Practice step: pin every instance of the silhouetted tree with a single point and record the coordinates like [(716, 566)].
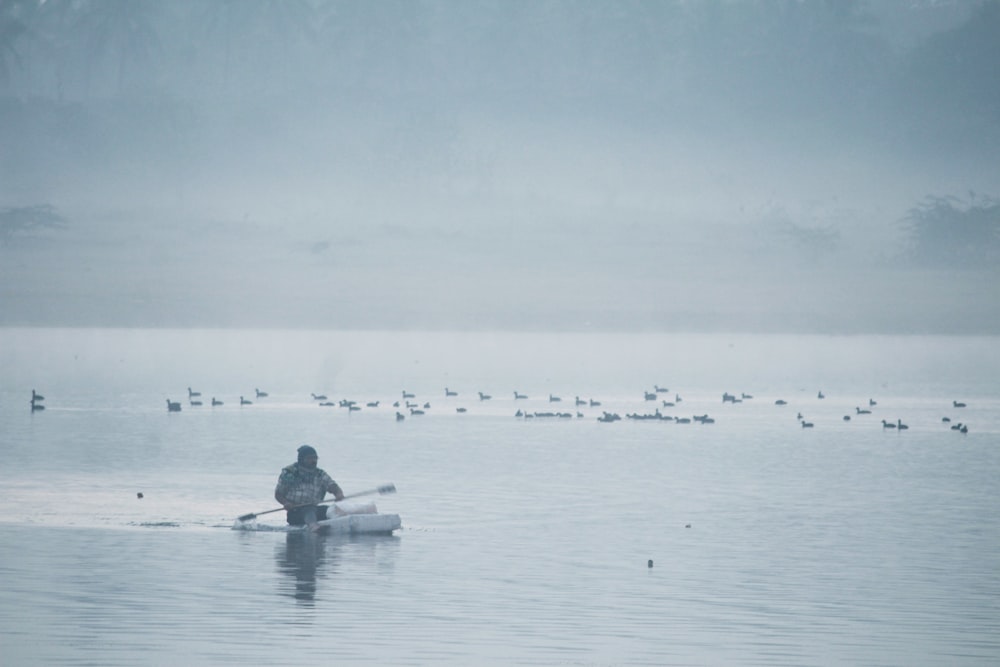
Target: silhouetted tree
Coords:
[(947, 232), (13, 27), (28, 220), (124, 32)]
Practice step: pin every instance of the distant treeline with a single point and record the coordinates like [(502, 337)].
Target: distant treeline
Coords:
[(764, 57)]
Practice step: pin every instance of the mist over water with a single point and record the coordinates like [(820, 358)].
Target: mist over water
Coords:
[(791, 200), (470, 166)]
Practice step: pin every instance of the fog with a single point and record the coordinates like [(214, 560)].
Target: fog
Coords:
[(558, 165)]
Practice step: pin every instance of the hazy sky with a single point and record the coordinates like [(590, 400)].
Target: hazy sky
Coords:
[(439, 164)]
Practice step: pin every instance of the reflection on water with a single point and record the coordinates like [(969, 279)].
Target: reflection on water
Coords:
[(306, 557), (308, 562)]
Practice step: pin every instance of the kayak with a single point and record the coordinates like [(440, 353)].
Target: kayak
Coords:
[(348, 520)]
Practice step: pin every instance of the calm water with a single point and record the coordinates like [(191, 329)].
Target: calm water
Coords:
[(524, 541)]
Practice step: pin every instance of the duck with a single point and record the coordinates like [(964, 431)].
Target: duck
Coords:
[(173, 406), (847, 418), (964, 429), (260, 394), (415, 411), (35, 396), (194, 402), (192, 393), (408, 395), (886, 424), (872, 403), (484, 397), (400, 416), (518, 396), (649, 395), (781, 401), (957, 404), (244, 401), (449, 392), (594, 403), (35, 407), (318, 397), (806, 424), (900, 425), (216, 401), (459, 410), (820, 395), (372, 404), (863, 412), (661, 390), (554, 399), (946, 419)]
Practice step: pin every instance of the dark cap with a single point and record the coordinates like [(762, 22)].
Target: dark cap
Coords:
[(306, 450)]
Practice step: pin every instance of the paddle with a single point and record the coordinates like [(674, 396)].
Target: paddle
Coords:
[(382, 490)]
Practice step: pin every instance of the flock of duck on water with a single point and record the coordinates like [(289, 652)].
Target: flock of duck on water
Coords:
[(416, 409)]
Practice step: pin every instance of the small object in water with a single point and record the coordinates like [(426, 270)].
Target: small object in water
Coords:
[(687, 525), (139, 495), (649, 563)]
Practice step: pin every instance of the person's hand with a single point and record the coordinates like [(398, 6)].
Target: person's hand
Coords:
[(338, 495)]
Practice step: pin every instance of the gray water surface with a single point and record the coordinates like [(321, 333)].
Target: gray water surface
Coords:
[(524, 541)]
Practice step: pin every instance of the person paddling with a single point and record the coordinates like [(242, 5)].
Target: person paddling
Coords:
[(301, 485)]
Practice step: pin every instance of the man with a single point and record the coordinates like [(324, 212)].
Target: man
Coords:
[(302, 485)]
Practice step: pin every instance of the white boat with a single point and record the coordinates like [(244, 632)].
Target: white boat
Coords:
[(348, 519), (359, 524)]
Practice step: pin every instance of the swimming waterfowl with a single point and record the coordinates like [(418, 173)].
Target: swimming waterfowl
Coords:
[(36, 396), (862, 412), (518, 396), (244, 401), (900, 425), (957, 404), (192, 393), (318, 397), (260, 394), (448, 392), (484, 397), (215, 401), (886, 424), (173, 406)]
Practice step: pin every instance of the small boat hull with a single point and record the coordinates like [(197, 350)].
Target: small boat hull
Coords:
[(349, 519), (359, 524)]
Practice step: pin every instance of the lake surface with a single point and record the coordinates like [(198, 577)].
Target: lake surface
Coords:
[(524, 541)]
